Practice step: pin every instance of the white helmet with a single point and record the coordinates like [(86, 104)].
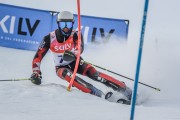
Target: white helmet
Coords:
[(65, 19), (65, 16)]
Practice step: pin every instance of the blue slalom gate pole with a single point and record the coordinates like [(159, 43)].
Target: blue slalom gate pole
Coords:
[(139, 59)]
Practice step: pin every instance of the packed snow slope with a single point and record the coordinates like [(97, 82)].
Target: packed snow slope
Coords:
[(22, 100)]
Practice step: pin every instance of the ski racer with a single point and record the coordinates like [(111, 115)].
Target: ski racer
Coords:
[(65, 39)]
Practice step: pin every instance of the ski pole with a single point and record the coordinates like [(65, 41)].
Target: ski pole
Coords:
[(21, 79), (121, 75), (69, 56)]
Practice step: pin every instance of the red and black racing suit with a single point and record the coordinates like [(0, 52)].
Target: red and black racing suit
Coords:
[(65, 71)]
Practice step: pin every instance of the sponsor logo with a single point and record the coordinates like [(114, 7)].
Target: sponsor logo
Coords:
[(63, 47), (21, 22), (42, 45), (105, 36)]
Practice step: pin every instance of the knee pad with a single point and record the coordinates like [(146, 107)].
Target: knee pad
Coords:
[(92, 73), (95, 75), (64, 73)]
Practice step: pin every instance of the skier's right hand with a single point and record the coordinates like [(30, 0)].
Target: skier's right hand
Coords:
[(36, 78)]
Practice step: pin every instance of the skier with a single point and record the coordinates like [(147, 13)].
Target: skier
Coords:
[(65, 39)]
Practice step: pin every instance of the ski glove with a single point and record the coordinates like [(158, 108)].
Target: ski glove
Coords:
[(36, 78)]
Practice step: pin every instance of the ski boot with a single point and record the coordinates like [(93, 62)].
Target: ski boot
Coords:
[(96, 92)]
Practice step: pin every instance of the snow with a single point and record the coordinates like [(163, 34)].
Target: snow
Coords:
[(22, 100)]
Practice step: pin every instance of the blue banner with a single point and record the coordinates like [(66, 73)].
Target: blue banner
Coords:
[(24, 28)]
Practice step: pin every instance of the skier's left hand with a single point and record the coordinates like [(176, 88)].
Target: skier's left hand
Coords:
[(36, 78)]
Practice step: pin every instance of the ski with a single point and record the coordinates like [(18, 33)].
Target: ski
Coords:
[(117, 97)]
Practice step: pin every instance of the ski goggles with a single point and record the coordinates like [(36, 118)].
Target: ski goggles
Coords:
[(65, 24)]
